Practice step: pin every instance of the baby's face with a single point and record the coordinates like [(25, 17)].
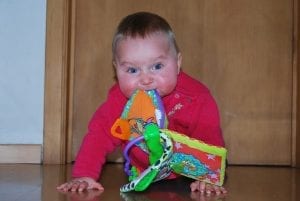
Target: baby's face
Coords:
[(147, 63)]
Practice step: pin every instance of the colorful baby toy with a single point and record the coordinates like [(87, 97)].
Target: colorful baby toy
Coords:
[(144, 124)]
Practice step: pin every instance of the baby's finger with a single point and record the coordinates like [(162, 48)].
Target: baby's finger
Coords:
[(82, 186), (202, 187), (68, 186), (217, 190), (74, 186), (195, 186), (62, 186), (223, 190), (209, 189)]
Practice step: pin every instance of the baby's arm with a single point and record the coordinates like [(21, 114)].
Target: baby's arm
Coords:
[(207, 188), (80, 184)]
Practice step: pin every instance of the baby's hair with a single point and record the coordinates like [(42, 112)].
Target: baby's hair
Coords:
[(143, 24)]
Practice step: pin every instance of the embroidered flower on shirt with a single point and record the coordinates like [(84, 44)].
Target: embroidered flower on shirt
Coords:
[(177, 96), (177, 107)]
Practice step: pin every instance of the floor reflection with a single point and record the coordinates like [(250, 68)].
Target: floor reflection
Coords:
[(24, 182)]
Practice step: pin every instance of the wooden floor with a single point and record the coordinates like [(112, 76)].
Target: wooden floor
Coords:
[(26, 182)]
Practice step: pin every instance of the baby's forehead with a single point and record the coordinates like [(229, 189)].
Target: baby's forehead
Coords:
[(161, 39), (157, 44)]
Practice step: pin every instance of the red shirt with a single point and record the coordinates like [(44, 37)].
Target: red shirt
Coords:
[(190, 109)]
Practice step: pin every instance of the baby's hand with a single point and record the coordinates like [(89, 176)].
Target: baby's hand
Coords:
[(207, 188), (80, 184)]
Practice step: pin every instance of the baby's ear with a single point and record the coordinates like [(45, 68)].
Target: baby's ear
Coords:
[(114, 64), (179, 61)]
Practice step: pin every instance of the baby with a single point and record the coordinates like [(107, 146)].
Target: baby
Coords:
[(146, 57)]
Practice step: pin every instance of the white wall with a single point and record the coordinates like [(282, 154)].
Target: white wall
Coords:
[(22, 66)]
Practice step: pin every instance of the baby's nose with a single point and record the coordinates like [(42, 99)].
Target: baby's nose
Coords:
[(146, 79)]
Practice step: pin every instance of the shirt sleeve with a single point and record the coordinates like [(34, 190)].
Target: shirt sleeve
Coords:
[(206, 121), (98, 141)]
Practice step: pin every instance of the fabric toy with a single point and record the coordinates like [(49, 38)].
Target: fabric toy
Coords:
[(143, 123)]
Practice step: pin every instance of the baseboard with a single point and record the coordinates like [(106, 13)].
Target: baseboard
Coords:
[(20, 153)]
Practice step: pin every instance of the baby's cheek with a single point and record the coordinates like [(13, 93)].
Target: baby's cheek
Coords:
[(127, 91), (167, 88)]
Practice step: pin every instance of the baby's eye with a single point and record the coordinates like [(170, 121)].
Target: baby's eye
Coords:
[(157, 66), (132, 70)]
